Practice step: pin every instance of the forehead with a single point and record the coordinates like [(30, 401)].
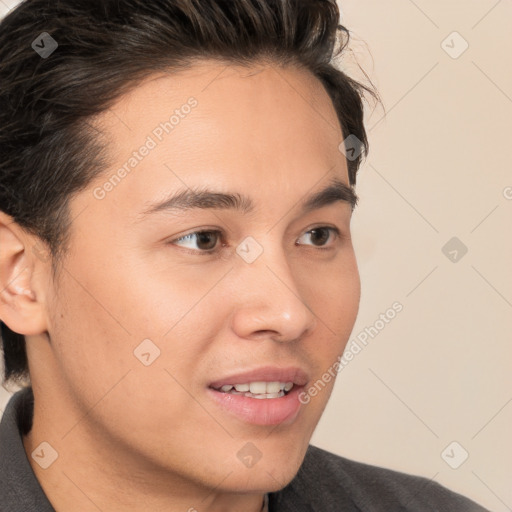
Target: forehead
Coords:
[(250, 127), (248, 104), (226, 87)]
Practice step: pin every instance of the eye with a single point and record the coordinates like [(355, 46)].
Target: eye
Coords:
[(204, 241), (321, 234)]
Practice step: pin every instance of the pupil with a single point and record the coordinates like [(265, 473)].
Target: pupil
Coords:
[(203, 238), (324, 231)]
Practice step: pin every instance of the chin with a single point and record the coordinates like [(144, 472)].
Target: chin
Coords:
[(262, 478), (274, 469)]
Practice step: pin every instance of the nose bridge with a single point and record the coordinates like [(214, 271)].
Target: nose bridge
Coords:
[(271, 302)]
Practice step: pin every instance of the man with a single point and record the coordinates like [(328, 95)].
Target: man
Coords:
[(168, 168)]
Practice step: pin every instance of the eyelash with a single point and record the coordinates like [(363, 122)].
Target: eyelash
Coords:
[(334, 230)]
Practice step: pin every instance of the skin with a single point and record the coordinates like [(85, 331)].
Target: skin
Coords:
[(136, 437)]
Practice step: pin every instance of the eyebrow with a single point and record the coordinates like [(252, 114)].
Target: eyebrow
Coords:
[(205, 198)]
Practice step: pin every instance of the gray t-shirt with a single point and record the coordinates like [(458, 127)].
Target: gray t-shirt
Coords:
[(325, 482)]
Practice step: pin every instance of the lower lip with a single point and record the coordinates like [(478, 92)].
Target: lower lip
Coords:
[(260, 411)]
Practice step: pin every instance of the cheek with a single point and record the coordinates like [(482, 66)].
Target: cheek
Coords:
[(89, 344), (98, 324), (102, 316), (336, 291), (336, 305)]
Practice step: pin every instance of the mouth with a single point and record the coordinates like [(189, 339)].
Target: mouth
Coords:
[(266, 396)]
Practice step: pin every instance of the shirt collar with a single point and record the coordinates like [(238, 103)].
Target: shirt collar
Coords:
[(19, 487)]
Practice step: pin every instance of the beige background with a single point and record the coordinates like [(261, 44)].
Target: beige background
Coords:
[(439, 167)]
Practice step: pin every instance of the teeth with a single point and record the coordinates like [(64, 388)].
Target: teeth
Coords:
[(273, 387), (259, 389)]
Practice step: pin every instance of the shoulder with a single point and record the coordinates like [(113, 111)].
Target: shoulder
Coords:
[(326, 480)]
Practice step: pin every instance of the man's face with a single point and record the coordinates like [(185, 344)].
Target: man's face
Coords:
[(148, 319)]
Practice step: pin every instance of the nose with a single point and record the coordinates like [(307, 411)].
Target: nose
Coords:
[(270, 303)]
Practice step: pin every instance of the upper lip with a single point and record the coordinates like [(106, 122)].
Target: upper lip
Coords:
[(293, 374)]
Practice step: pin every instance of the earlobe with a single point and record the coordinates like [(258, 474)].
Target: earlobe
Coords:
[(20, 307)]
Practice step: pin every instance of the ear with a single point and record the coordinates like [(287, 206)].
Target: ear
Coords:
[(22, 306)]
